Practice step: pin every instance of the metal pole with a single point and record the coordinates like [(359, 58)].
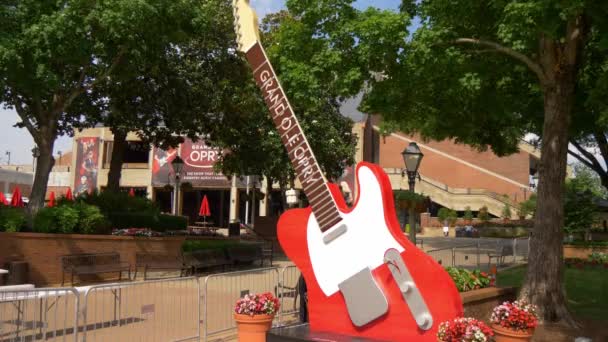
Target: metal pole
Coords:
[(247, 204), (176, 194), (412, 219), (253, 204), (478, 256)]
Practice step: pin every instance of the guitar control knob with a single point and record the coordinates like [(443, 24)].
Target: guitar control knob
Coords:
[(425, 322), (406, 286)]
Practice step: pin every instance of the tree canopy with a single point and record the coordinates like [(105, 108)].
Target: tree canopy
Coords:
[(54, 54), (485, 73)]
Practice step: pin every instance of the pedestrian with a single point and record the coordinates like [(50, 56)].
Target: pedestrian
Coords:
[(446, 230)]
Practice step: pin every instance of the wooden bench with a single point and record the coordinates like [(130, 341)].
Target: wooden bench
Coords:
[(89, 264), (206, 259), (245, 255), (159, 262), (500, 255)]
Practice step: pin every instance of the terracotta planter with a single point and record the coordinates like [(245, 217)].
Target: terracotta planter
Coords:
[(503, 334), (253, 328)]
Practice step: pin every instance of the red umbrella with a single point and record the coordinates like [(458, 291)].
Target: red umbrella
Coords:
[(17, 201), (51, 200), (68, 195), (3, 200), (204, 210), (132, 192)]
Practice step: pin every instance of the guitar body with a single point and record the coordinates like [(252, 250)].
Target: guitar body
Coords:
[(372, 230)]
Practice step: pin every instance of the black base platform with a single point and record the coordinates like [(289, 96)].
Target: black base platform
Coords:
[(302, 333)]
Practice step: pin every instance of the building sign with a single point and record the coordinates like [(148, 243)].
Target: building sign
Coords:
[(199, 160), (162, 170), (86, 165)]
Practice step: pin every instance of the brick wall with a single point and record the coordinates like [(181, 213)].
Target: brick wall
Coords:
[(43, 251), (458, 174)]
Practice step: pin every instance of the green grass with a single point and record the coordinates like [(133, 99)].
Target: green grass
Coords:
[(586, 289)]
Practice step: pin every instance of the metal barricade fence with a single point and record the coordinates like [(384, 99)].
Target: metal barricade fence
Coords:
[(444, 256), (288, 292), (222, 290), (153, 310), (39, 314)]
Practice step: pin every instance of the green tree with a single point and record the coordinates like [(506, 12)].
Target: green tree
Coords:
[(528, 207), (53, 54), (486, 72), (483, 214), (580, 207), (506, 211), (175, 89), (468, 214)]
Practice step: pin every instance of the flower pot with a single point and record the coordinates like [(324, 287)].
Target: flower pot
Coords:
[(504, 334), (253, 328)]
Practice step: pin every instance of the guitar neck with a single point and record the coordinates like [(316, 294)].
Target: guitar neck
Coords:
[(300, 154)]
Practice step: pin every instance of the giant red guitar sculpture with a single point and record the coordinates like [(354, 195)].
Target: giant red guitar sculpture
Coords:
[(364, 277)]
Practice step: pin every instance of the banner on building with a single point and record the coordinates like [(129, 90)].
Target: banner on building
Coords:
[(86, 165), (162, 170), (199, 160)]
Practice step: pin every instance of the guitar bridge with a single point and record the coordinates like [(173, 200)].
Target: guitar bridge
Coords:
[(408, 288)]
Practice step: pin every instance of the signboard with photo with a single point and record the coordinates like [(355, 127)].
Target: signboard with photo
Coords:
[(199, 160), (86, 165), (162, 170)]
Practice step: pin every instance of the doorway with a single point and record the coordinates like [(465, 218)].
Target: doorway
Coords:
[(219, 205)]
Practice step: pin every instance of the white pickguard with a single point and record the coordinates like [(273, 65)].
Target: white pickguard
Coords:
[(363, 245)]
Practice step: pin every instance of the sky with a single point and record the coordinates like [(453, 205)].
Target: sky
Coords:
[(19, 143)]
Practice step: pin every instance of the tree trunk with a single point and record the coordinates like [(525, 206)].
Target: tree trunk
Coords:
[(543, 284), (44, 164), (118, 153)]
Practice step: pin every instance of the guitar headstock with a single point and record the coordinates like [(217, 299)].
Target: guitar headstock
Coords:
[(245, 25)]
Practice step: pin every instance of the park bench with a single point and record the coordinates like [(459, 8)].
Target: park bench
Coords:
[(500, 255), (90, 264), (159, 262), (206, 259), (245, 255)]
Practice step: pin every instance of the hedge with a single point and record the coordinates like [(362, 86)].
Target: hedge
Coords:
[(159, 223)]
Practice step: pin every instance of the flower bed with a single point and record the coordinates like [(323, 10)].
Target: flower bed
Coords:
[(595, 259), (464, 329), (466, 280), (517, 315)]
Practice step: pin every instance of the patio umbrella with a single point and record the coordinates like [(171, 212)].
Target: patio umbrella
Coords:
[(3, 200), (51, 200), (68, 195), (17, 200), (132, 192), (204, 210)]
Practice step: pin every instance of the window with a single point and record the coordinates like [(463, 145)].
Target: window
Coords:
[(137, 152)]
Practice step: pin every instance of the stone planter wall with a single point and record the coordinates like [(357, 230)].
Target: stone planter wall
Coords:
[(43, 252), (479, 303), (582, 252)]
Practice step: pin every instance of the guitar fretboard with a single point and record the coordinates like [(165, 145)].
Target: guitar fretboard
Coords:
[(301, 156)]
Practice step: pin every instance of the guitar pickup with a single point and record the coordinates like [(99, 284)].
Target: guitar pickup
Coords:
[(409, 290), (364, 299)]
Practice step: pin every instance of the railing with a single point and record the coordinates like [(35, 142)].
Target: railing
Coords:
[(476, 255), (221, 291), (155, 310), (39, 314)]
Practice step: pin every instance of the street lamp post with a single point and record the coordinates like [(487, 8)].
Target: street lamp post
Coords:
[(178, 165), (35, 155), (412, 156)]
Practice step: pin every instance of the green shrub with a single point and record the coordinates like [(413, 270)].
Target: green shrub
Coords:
[(528, 207), (466, 280), (109, 202), (196, 245), (506, 211), (503, 232), (123, 220), (483, 215), (468, 214), (443, 214), (91, 220), (171, 222), (12, 219), (44, 222), (60, 219)]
